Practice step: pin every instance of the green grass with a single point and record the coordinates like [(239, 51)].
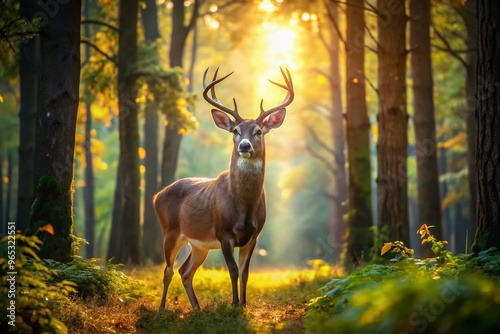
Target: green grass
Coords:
[(276, 303)]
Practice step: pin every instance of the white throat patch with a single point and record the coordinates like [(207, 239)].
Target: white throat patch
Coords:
[(251, 165)]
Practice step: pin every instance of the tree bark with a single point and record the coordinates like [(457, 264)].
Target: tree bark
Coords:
[(129, 134), (115, 235), (58, 97), (488, 123), (89, 189), (469, 16), (359, 238), (429, 204), (337, 223), (392, 144), (28, 63), (152, 235)]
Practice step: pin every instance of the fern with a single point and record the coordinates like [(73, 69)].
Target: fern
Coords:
[(34, 295)]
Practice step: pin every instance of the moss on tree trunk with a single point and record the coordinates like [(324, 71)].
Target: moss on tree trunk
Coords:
[(51, 207)]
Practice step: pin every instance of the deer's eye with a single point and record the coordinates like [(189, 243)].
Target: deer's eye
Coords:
[(235, 131), (258, 133)]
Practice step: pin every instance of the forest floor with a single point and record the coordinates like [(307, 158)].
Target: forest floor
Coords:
[(277, 301)]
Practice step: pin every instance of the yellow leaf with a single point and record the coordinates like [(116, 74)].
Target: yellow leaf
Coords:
[(387, 247), (47, 228), (1, 98)]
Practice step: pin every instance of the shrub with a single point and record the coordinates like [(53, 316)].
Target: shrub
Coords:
[(32, 296)]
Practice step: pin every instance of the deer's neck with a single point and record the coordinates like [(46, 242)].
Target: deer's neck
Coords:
[(246, 180)]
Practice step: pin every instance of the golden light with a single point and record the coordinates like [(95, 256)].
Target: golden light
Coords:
[(267, 6), (281, 44), (213, 8), (211, 22)]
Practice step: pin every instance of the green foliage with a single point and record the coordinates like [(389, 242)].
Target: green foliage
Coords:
[(33, 295), (95, 280), (411, 295), (450, 305), (50, 207), (13, 30), (167, 88)]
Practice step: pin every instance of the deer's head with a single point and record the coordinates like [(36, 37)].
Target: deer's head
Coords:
[(248, 134)]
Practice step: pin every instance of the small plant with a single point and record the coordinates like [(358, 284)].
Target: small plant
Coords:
[(399, 248), (436, 246), (25, 281)]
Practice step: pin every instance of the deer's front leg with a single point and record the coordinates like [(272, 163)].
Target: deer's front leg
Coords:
[(227, 247), (244, 263)]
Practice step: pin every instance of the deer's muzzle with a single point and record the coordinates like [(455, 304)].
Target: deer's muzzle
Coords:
[(245, 148)]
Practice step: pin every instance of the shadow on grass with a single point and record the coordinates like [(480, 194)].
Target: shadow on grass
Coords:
[(215, 318)]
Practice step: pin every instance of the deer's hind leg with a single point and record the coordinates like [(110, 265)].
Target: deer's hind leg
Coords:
[(187, 270), (172, 243)]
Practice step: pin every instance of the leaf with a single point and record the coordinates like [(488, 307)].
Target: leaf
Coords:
[(334, 292), (387, 247), (47, 228)]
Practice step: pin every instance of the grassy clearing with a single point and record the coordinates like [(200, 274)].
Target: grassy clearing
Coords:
[(276, 303)]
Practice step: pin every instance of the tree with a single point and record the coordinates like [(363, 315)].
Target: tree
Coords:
[(89, 189), (129, 134), (468, 14), (179, 35), (337, 224), (359, 218), (392, 144), (58, 98), (488, 123), (28, 63), (429, 203), (152, 240)]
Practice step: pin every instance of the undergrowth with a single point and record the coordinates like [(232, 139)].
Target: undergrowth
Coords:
[(444, 294)]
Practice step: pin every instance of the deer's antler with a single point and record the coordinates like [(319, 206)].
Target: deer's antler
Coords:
[(214, 101), (288, 98)]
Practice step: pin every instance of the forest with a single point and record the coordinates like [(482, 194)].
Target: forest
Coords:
[(381, 166)]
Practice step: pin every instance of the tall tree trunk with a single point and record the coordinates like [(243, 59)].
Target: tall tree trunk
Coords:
[(429, 204), (338, 209), (152, 235), (129, 133), (58, 97), (359, 219), (448, 229), (469, 16), (488, 123), (392, 145), (180, 32), (28, 59), (89, 189), (115, 235)]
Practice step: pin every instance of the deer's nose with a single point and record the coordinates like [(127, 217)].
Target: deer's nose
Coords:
[(245, 146)]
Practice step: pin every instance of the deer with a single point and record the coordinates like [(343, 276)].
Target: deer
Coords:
[(225, 212)]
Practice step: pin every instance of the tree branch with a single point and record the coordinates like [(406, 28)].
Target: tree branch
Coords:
[(95, 47), (368, 9), (322, 159), (447, 47), (101, 23), (334, 23)]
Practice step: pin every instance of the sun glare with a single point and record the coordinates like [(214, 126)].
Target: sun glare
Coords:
[(281, 44)]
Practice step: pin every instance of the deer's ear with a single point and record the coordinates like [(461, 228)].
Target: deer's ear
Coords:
[(222, 120), (274, 120)]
